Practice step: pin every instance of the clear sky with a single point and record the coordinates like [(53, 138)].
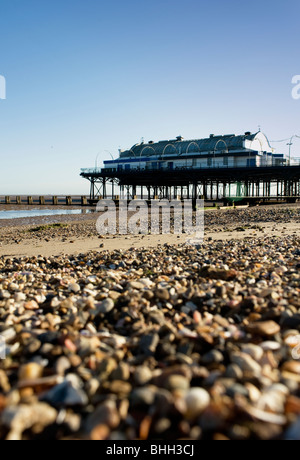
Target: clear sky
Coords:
[(89, 76)]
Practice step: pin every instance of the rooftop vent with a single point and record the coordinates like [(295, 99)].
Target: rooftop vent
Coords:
[(150, 142), (247, 133), (211, 136), (179, 138)]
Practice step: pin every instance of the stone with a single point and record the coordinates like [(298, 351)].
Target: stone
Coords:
[(117, 387), (65, 395), (163, 294), (143, 396), (293, 432), (270, 346), (75, 288), (4, 382), (136, 285), (246, 363), (292, 366), (148, 344), (237, 389), (264, 328), (62, 365), (233, 371), (20, 418), (177, 382), (106, 306), (122, 372), (292, 322), (30, 371), (254, 351), (213, 356), (196, 400), (104, 414), (142, 375)]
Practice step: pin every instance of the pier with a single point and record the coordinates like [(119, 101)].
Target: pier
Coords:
[(250, 185)]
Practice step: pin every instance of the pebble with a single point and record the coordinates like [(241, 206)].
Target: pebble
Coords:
[(62, 365), (106, 306), (196, 400), (148, 343), (292, 366), (213, 356), (74, 287), (122, 372), (162, 294), (254, 351), (143, 396), (30, 371), (142, 375), (270, 346), (105, 414), (24, 417), (246, 363), (65, 395), (293, 432), (177, 382), (237, 389), (233, 371), (177, 341), (264, 328), (292, 322)]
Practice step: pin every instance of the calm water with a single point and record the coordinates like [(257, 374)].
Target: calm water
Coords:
[(21, 214)]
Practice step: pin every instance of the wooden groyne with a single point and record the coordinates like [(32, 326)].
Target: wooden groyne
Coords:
[(55, 200)]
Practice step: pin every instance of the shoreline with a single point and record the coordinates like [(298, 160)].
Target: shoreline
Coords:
[(78, 232)]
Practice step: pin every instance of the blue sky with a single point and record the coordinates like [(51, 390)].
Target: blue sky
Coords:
[(89, 76)]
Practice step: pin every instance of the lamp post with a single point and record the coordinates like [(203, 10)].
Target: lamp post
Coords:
[(290, 148), (112, 157), (96, 161)]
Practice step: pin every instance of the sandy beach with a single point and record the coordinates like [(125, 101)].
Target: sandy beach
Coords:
[(78, 232)]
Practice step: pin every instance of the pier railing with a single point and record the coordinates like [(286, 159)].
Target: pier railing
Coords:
[(165, 167)]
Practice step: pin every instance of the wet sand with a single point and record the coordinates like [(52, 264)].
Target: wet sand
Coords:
[(79, 234)]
